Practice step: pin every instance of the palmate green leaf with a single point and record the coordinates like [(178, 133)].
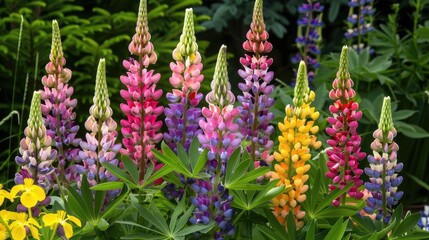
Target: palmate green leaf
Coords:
[(99, 198), (269, 192), (407, 224), (168, 157), (177, 211), (411, 130), (340, 211), (119, 173), (194, 152), (278, 229), (201, 162), (337, 231), (415, 235), (311, 231), (364, 224), (75, 205), (331, 197), (166, 169), (195, 228), (131, 167), (381, 234), (87, 197), (233, 162), (270, 234), (106, 186), (112, 206), (291, 226), (181, 153), (153, 217)]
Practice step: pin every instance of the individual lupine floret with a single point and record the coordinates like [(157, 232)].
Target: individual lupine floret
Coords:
[(383, 171), (255, 117), (221, 139), (57, 110), (424, 219), (183, 114), (359, 23), (100, 145), (344, 139), (309, 36), (36, 154), (141, 127), (298, 134)]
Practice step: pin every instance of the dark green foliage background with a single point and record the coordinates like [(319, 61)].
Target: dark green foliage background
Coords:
[(95, 29)]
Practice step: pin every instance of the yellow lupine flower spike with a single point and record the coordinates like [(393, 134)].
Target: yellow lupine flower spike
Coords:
[(297, 136), (31, 194), (52, 220)]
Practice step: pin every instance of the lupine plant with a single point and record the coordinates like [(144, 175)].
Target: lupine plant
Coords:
[(141, 127), (36, 153), (255, 117), (58, 113), (100, 145), (344, 139), (359, 23), (383, 168), (298, 135), (309, 36), (183, 113), (213, 155), (220, 137)]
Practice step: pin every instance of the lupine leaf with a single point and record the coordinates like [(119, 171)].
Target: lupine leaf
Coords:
[(311, 231), (131, 168), (331, 197), (201, 162), (99, 201), (119, 173), (109, 209), (337, 231), (87, 197), (407, 224), (179, 209), (195, 228), (108, 186), (181, 153), (291, 226), (340, 211), (164, 170), (193, 152)]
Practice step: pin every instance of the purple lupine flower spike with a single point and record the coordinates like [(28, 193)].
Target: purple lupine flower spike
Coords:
[(57, 111), (359, 23), (309, 36), (221, 139), (36, 153), (100, 145), (255, 116), (383, 171), (183, 115)]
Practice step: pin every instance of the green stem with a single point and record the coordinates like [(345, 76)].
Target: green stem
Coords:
[(54, 231)]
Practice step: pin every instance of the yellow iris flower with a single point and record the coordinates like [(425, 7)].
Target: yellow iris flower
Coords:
[(17, 228), (4, 194), (59, 218), (31, 194)]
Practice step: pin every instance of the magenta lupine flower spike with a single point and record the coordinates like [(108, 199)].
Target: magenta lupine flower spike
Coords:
[(141, 128), (36, 154), (221, 139), (100, 145), (57, 110), (345, 154), (183, 115), (255, 116), (383, 171)]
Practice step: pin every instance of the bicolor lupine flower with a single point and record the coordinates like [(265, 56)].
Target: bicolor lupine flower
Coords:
[(344, 139), (221, 139), (359, 23), (183, 114), (255, 117), (298, 134), (383, 171), (424, 219), (36, 154), (100, 145), (57, 110), (141, 127), (309, 36)]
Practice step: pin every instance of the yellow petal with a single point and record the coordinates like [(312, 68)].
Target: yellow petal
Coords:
[(75, 220), (1, 200), (28, 182), (40, 193), (34, 232), (15, 190), (50, 219), (34, 222), (28, 199), (68, 230), (18, 232)]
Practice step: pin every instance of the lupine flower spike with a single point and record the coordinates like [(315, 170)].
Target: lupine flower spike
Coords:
[(255, 116), (298, 134), (345, 154), (36, 154), (100, 145), (383, 171), (309, 36), (221, 139), (183, 115), (141, 127), (359, 23), (57, 110)]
